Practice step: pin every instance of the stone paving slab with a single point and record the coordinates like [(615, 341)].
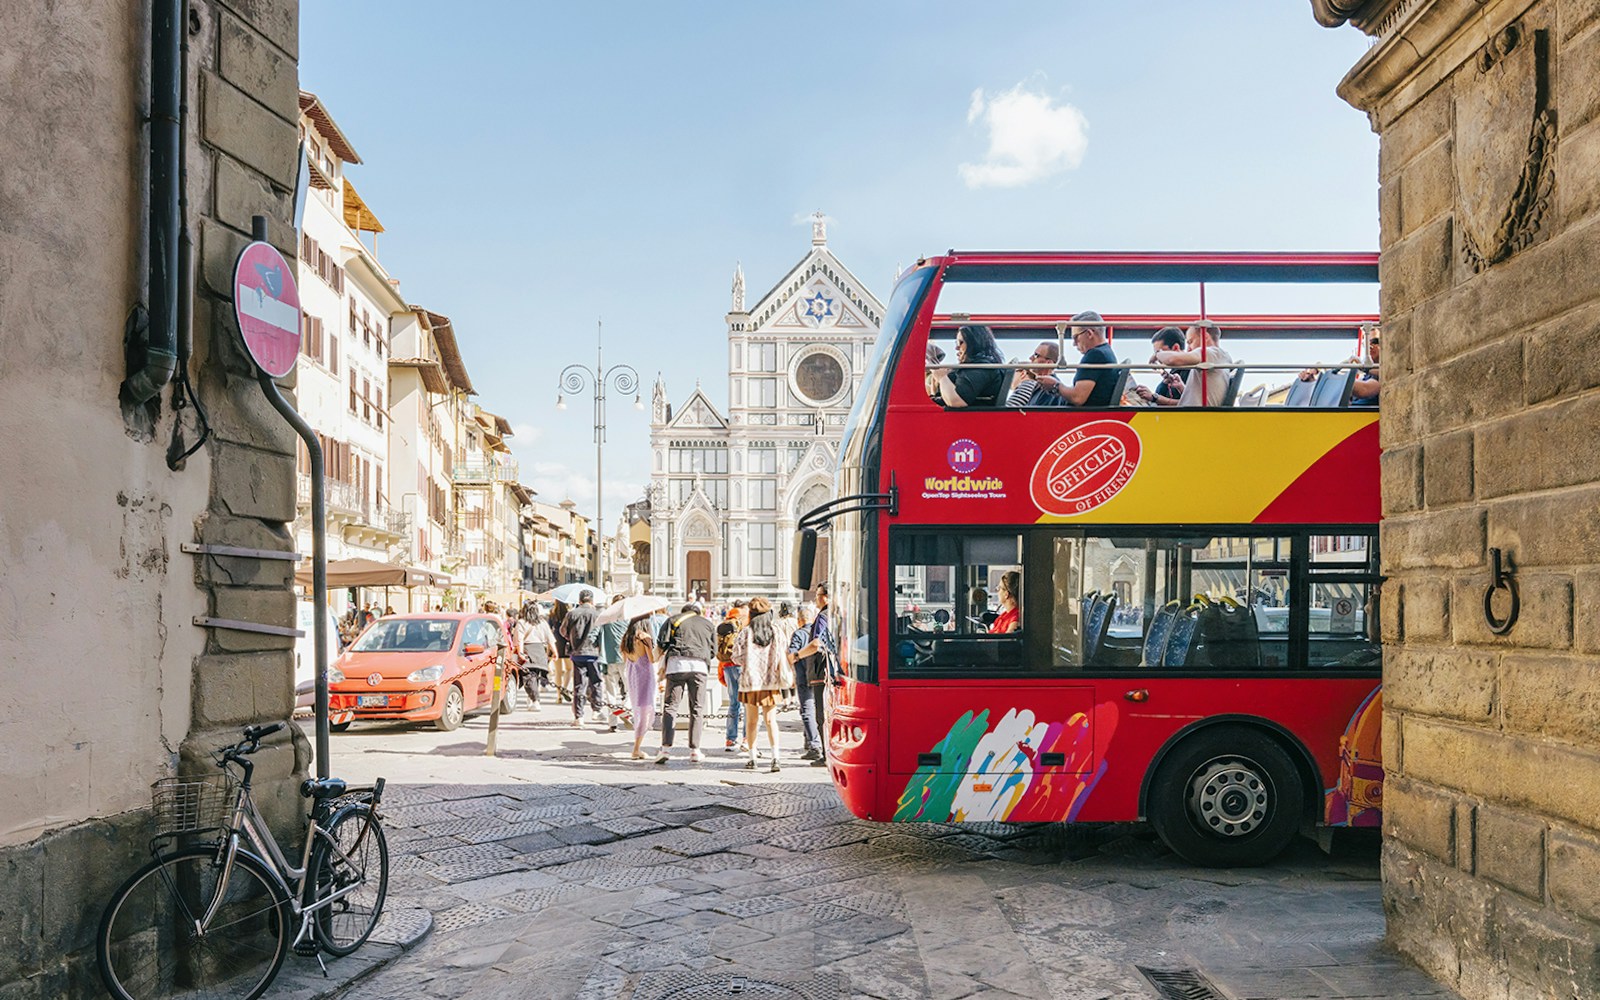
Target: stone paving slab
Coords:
[(564, 870)]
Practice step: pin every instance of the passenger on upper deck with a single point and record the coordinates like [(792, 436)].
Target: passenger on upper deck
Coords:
[(1039, 386), (1202, 347), (1168, 338), (930, 381), (973, 386), (1365, 390)]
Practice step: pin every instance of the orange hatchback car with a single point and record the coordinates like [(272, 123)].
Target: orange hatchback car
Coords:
[(424, 667)]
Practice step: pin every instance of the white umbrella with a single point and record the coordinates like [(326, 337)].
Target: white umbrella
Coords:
[(568, 593), (630, 608)]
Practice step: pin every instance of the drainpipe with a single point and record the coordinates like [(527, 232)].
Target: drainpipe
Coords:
[(166, 139)]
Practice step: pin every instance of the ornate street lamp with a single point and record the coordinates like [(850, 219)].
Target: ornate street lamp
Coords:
[(574, 379)]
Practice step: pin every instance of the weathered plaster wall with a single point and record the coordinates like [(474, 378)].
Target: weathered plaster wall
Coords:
[(109, 684), (1489, 116)]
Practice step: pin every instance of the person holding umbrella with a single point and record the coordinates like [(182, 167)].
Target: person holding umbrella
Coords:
[(638, 651)]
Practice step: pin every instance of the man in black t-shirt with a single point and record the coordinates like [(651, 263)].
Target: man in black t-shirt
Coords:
[(1090, 386)]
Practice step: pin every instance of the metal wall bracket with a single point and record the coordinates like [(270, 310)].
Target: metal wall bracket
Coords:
[(235, 626), (197, 549)]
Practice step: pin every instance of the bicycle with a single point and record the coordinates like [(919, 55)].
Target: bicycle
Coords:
[(210, 914)]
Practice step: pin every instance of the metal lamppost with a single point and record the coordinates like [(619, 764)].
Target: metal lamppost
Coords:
[(574, 378)]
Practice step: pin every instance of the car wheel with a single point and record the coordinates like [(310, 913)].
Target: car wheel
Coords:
[(509, 700), (454, 710), (1227, 798), (338, 727)]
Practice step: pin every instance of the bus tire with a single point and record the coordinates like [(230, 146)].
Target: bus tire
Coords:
[(1226, 798)]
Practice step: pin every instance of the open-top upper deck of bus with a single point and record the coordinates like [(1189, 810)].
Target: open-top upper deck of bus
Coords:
[(1313, 460)]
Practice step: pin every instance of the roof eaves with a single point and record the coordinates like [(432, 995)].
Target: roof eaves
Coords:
[(312, 107)]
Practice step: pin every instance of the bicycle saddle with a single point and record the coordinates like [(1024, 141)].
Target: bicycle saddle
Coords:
[(322, 788)]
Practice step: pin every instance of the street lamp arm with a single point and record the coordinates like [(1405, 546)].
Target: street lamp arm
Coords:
[(623, 378), (576, 378)]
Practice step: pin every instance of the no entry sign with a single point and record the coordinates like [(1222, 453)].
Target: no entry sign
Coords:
[(267, 305)]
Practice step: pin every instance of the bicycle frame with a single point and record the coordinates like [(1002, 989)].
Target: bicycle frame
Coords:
[(248, 821)]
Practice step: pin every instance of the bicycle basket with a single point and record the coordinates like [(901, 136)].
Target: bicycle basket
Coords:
[(186, 804)]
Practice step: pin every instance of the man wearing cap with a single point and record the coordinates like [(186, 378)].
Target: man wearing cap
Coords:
[(1090, 386)]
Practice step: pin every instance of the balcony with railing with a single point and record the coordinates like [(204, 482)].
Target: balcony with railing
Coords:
[(361, 517), (484, 473)]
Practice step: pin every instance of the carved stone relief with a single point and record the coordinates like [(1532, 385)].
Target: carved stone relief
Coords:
[(1504, 175)]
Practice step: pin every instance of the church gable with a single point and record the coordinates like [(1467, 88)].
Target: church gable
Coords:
[(819, 294), (697, 412)]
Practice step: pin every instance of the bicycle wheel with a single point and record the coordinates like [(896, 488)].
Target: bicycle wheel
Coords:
[(351, 852), (148, 946)]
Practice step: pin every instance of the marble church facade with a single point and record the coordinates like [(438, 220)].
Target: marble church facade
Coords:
[(727, 486)]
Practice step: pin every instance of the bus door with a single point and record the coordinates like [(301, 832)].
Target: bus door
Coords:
[(971, 737)]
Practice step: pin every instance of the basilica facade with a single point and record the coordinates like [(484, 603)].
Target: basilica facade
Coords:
[(727, 488)]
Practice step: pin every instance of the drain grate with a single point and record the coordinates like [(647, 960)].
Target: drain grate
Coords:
[(718, 986), (1181, 984)]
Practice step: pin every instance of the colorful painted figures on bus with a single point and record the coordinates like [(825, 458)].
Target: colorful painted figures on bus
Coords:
[(1357, 800), (993, 774)]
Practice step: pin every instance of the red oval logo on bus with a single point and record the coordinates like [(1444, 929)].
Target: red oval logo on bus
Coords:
[(1085, 467)]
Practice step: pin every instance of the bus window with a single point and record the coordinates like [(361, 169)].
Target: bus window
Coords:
[(1343, 618), (957, 600), (1213, 603)]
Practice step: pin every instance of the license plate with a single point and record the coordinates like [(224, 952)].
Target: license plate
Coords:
[(372, 700)]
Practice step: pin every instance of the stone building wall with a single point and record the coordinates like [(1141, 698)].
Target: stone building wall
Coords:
[(1489, 117), (110, 685)]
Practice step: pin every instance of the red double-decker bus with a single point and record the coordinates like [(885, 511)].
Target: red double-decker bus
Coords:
[(1075, 614)]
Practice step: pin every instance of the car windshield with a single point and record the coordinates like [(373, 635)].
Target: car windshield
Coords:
[(408, 635)]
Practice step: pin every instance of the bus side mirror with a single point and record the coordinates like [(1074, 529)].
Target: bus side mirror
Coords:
[(805, 558)]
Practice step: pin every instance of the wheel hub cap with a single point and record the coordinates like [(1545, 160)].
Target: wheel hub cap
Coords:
[(1230, 798)]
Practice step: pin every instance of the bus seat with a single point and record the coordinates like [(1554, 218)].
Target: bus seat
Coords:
[(1234, 381), (1181, 639), (1155, 640), (1228, 636), (1094, 634), (1255, 397), (1121, 388), (1333, 387), (1299, 393), (1086, 604)]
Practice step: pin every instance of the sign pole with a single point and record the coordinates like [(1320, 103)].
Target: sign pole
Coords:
[(267, 305)]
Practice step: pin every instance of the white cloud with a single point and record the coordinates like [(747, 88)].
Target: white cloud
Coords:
[(1031, 137), (523, 435)]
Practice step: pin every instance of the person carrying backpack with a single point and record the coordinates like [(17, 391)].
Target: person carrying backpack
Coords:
[(688, 643)]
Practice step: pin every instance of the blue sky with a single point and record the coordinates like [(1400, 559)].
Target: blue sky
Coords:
[(541, 166)]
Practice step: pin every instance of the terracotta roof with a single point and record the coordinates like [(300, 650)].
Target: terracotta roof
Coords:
[(312, 107), (444, 335), (495, 422), (433, 377), (356, 213)]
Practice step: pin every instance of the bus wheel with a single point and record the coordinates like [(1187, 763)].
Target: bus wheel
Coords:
[(1227, 798)]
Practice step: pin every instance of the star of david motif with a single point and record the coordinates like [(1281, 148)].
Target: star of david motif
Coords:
[(818, 307)]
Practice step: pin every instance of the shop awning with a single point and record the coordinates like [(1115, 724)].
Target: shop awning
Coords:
[(371, 573)]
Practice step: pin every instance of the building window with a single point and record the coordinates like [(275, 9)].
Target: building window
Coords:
[(693, 457), (819, 377), (764, 392), (764, 459), (355, 399), (764, 549), (378, 409), (763, 494), (366, 399), (333, 351), (764, 357)]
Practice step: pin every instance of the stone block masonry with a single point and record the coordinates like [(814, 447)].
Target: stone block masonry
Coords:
[(1490, 230), (91, 537)]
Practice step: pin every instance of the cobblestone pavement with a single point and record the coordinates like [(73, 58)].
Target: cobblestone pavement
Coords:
[(560, 869)]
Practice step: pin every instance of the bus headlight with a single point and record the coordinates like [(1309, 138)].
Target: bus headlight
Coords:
[(427, 675)]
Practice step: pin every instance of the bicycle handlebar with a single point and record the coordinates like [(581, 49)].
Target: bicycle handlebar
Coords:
[(254, 733)]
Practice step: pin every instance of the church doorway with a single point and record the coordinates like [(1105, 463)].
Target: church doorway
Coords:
[(697, 572)]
